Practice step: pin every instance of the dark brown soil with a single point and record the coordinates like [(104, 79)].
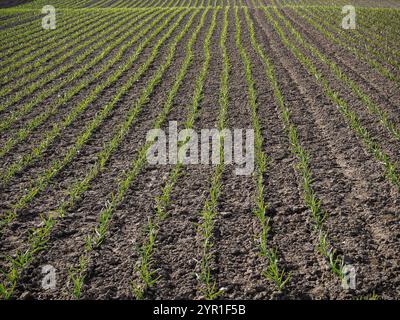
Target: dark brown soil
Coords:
[(362, 206)]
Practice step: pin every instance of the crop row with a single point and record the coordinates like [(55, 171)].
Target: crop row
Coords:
[(391, 170), (35, 38), (381, 26), (351, 119), (38, 150), (19, 20), (77, 274), (30, 83), (271, 271), (384, 25), (156, 3), (149, 3), (208, 286), (33, 35), (32, 59), (76, 38), (110, 3), (377, 23), (56, 166), (56, 3), (13, 20), (384, 71), (144, 269), (364, 45), (128, 4), (41, 234), (375, 110), (303, 167), (113, 39), (378, 45)]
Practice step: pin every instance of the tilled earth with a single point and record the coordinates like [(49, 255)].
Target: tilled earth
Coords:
[(362, 206)]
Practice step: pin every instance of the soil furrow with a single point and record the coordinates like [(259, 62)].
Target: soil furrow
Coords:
[(81, 220), (56, 149), (346, 178)]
